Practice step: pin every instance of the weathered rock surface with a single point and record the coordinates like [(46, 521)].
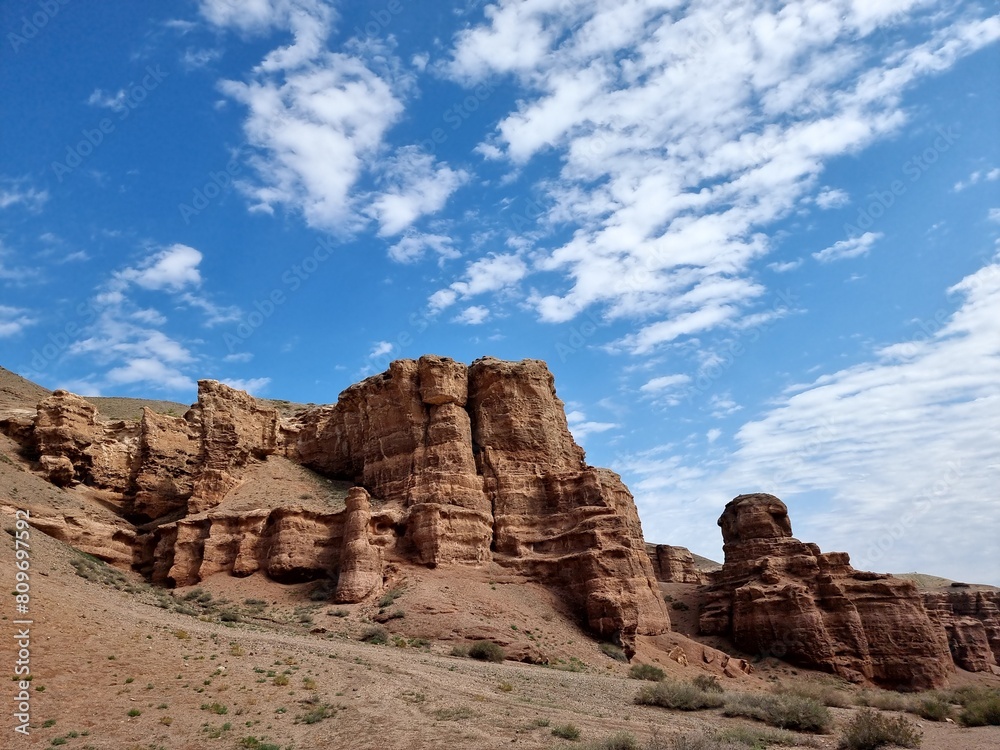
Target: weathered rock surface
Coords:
[(234, 430), (972, 621), (674, 564), (778, 596), (360, 562), (168, 458), (470, 466)]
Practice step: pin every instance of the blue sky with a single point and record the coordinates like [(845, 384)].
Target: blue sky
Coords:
[(757, 243)]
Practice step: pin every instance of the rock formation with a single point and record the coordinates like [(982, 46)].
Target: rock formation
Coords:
[(468, 466), (781, 597), (674, 564), (972, 621)]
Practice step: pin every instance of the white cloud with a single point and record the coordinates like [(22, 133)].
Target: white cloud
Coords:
[(238, 357), (664, 382), (581, 427), (785, 266), (380, 349), (893, 459), (152, 371), (832, 198), (172, 269), (419, 187), (193, 59), (988, 175), (16, 192), (413, 245), (852, 247), (473, 315), (106, 100), (994, 215), (489, 274), (253, 386), (13, 320), (317, 122), (712, 435), (683, 134)]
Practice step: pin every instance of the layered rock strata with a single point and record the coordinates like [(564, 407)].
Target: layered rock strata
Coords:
[(972, 621), (674, 564), (469, 466), (781, 597)]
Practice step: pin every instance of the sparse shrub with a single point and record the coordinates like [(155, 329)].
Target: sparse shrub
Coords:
[(166, 720), (566, 731), (505, 687), (758, 737), (376, 635), (280, 680), (317, 714), (230, 615), (680, 696), (254, 743), (869, 730), (981, 710), (309, 683), (215, 708), (708, 683), (617, 741), (785, 711), (389, 597), (615, 652), (825, 694), (884, 700), (341, 612), (181, 635), (133, 712), (460, 650), (646, 672), (933, 709), (487, 651)]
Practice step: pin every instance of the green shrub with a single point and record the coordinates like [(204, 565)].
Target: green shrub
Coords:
[(567, 731), (825, 694), (981, 711), (785, 711), (758, 737), (615, 652), (703, 741), (680, 696), (375, 634), (460, 650), (708, 683), (869, 730), (617, 741), (487, 651), (646, 672), (933, 709), (389, 597), (884, 700)]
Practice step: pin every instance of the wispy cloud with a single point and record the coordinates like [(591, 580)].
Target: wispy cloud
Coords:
[(13, 320), (19, 192), (682, 135), (894, 458), (852, 247), (318, 123)]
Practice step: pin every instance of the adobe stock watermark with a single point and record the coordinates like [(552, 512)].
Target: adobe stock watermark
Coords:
[(32, 26), (216, 185), (22, 623), (913, 168), (379, 20), (92, 138)]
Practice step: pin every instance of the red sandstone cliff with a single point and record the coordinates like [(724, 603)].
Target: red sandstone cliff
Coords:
[(781, 597)]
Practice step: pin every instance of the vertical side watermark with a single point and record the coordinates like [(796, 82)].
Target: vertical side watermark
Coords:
[(22, 622)]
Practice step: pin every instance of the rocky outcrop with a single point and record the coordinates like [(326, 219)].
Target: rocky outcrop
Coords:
[(674, 564), (115, 543), (972, 621), (483, 461), (66, 429), (468, 466), (234, 430), (168, 458), (781, 597), (360, 569)]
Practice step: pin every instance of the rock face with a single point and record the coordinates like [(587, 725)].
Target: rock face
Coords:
[(234, 430), (778, 596), (972, 621), (483, 462), (674, 564), (468, 466)]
